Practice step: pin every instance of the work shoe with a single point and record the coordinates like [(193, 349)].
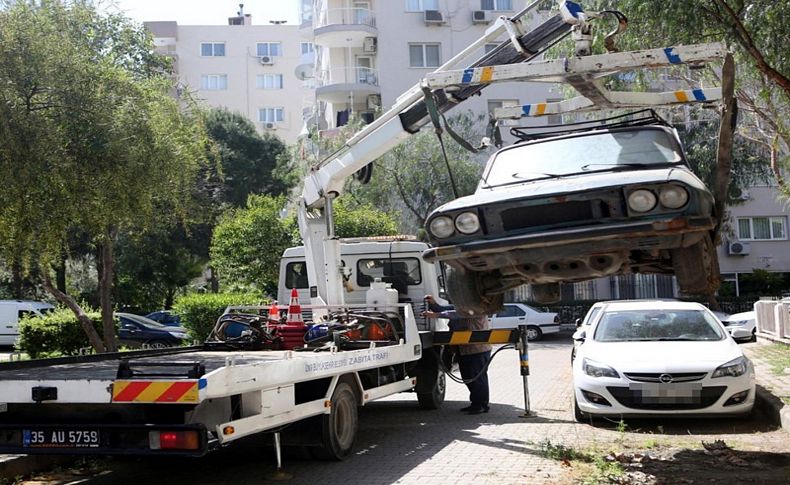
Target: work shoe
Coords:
[(475, 409)]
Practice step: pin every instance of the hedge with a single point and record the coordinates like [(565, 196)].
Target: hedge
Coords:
[(200, 311), (57, 333)]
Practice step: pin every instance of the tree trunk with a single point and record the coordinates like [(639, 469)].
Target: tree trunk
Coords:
[(105, 290), (85, 321), (16, 281), (729, 117), (213, 280), (60, 274), (170, 295), (713, 303)]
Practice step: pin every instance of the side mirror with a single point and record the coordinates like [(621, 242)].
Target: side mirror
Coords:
[(578, 322), (581, 337)]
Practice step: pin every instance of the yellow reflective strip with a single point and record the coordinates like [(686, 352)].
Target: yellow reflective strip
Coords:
[(118, 387), (486, 74), (460, 337), (681, 96), (191, 395), (153, 391), (541, 109), (499, 336)]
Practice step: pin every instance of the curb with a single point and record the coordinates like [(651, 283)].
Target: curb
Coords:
[(773, 407), (13, 466)]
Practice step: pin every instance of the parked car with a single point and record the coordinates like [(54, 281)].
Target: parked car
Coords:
[(742, 326), (136, 330), (165, 317), (660, 358), (583, 325), (573, 205), (538, 322), (11, 311)]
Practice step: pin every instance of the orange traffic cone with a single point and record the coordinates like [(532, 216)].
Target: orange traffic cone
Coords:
[(294, 311), (274, 313)]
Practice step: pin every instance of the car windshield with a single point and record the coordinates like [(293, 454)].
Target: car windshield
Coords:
[(147, 322), (655, 325), (581, 154)]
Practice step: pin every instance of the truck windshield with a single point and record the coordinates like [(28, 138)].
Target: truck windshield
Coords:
[(582, 154)]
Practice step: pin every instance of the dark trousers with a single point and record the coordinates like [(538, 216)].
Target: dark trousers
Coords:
[(471, 365)]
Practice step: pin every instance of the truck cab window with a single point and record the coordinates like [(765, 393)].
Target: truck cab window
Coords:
[(296, 275), (401, 272)]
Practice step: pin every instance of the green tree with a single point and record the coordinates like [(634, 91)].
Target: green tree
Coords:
[(362, 220), (89, 138)]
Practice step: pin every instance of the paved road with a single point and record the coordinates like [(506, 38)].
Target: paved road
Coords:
[(399, 443)]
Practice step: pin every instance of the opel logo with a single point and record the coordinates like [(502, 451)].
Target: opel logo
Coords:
[(665, 378)]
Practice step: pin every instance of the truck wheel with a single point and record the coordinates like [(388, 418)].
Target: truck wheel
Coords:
[(465, 294), (339, 427), (534, 333), (546, 293), (435, 398), (696, 267)]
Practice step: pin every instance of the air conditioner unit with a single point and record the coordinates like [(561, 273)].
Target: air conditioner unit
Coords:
[(745, 195), (266, 60), (370, 44), (374, 101), (738, 249), (481, 16), (433, 17), (269, 126)]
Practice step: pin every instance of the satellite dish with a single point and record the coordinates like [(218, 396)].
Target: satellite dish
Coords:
[(304, 71)]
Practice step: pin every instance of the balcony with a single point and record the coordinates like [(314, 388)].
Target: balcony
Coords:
[(336, 85), (344, 27)]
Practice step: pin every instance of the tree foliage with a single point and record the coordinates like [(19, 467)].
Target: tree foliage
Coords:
[(89, 137)]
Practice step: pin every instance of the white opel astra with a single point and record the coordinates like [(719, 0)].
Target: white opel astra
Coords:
[(660, 358)]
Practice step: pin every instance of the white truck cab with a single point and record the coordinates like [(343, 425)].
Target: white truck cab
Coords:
[(11, 311)]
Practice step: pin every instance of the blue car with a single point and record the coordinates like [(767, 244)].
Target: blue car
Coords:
[(136, 330), (165, 317)]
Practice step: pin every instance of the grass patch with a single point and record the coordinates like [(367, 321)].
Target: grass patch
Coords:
[(651, 443), (777, 355), (592, 467)]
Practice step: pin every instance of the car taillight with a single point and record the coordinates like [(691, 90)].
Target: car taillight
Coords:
[(173, 440)]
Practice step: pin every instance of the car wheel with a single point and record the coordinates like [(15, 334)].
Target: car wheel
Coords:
[(546, 293), (158, 344), (465, 293), (696, 267), (578, 415), (534, 333)]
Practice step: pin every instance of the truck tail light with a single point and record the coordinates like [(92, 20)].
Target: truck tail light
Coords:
[(173, 440)]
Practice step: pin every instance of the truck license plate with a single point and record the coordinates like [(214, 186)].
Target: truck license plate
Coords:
[(60, 438)]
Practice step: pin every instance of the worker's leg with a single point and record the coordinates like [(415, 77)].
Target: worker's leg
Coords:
[(471, 366)]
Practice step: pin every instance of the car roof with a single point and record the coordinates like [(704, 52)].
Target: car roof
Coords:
[(653, 305)]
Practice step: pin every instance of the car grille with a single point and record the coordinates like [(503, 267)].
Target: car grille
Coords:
[(633, 399), (548, 214), (655, 376)]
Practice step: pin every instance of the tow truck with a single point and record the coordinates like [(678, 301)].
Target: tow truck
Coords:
[(272, 373)]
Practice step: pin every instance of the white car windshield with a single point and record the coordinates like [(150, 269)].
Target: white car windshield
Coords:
[(655, 325), (582, 154)]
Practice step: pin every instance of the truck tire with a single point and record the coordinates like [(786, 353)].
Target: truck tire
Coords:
[(546, 293), (435, 398), (534, 333), (465, 294), (339, 427), (696, 267)]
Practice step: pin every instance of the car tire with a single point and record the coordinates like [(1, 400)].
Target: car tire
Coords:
[(578, 415), (697, 267), (546, 293), (464, 290), (158, 344), (339, 427), (534, 333)]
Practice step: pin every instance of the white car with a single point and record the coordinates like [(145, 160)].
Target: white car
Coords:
[(659, 358), (538, 323), (742, 326)]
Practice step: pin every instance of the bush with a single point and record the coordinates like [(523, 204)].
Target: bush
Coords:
[(57, 333), (200, 311)]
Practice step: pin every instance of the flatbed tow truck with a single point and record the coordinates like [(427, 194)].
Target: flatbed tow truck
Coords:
[(254, 375)]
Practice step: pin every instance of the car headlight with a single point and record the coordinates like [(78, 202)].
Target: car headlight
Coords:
[(641, 200), (737, 323), (467, 223), (673, 196), (734, 368), (442, 227), (178, 334), (595, 369)]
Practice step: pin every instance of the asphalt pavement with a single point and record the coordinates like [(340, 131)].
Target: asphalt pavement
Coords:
[(399, 443)]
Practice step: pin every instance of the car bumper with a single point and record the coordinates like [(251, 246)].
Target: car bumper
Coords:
[(700, 398), (666, 233)]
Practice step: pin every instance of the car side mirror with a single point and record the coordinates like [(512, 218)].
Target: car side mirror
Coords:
[(581, 337), (578, 322)]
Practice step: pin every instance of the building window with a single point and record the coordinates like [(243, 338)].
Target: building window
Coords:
[(269, 81), (761, 228), (420, 5), (271, 49), (501, 103), (308, 48), (496, 4), (214, 82), (424, 55), (271, 115), (489, 47), (212, 49)]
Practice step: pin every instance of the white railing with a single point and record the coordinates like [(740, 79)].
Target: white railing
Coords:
[(345, 16), (348, 75), (773, 317)]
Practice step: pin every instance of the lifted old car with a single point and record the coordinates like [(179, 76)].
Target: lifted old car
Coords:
[(574, 204)]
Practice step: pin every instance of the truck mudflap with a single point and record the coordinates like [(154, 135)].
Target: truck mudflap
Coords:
[(103, 439)]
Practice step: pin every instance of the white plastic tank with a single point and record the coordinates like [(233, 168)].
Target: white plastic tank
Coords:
[(381, 296)]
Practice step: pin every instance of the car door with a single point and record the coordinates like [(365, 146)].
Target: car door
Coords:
[(130, 333), (509, 317)]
